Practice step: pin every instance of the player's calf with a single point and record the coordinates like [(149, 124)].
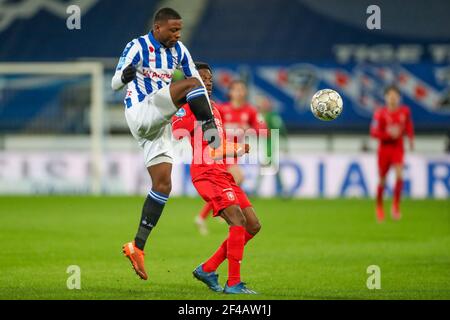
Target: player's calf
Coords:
[(253, 226), (155, 201)]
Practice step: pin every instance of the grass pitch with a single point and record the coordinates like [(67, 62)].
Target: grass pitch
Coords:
[(307, 249)]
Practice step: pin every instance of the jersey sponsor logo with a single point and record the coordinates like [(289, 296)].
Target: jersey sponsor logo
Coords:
[(180, 113), (152, 74)]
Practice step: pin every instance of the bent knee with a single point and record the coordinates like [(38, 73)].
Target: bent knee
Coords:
[(192, 83), (164, 187), (253, 228)]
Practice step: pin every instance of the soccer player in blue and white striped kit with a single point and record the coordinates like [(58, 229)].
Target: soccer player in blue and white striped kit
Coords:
[(146, 67)]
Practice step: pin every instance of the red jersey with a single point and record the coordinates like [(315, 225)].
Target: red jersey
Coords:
[(244, 117), (385, 121), (201, 162)]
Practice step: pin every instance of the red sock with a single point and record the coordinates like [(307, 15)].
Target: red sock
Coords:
[(398, 192), (221, 254), (248, 236), (217, 258), (380, 190), (205, 210), (235, 253)]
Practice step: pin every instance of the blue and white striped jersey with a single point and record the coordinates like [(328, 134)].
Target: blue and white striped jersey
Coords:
[(155, 66)]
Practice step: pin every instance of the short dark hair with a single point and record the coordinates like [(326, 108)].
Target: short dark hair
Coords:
[(202, 65), (165, 14), (391, 87)]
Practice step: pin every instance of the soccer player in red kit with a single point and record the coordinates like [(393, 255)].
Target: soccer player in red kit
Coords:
[(217, 186), (239, 115), (389, 125)]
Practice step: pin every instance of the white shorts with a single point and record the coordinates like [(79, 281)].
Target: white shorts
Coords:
[(149, 122)]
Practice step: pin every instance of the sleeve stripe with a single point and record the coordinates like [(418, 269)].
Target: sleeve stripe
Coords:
[(145, 64), (144, 52), (158, 63), (136, 58), (185, 65), (127, 48), (169, 58), (141, 96), (179, 54)]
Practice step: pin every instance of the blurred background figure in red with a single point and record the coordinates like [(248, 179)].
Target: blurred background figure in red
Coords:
[(390, 125)]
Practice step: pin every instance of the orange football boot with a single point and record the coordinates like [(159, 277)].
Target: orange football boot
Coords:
[(136, 257), (380, 214)]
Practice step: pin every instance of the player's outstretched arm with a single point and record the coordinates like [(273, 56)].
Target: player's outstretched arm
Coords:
[(126, 68), (120, 79), (229, 150)]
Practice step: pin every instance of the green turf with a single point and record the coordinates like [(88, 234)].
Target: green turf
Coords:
[(307, 249)]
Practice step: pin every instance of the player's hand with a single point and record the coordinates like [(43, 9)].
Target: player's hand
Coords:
[(239, 149), (211, 134), (128, 74)]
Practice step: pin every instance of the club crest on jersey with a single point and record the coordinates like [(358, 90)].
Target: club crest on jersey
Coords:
[(230, 195), (180, 113)]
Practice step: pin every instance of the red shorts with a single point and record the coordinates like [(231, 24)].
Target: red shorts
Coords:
[(221, 191), (387, 157)]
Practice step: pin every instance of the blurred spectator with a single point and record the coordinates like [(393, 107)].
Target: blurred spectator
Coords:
[(274, 122), (238, 114)]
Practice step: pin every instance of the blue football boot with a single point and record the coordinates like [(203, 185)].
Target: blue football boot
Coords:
[(239, 288), (211, 279)]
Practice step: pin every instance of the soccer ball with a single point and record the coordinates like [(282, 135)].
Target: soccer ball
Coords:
[(326, 104)]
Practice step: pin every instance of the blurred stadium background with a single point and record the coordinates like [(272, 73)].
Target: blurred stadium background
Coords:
[(62, 131), (62, 128)]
